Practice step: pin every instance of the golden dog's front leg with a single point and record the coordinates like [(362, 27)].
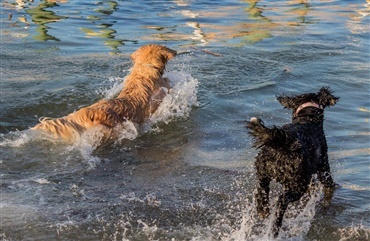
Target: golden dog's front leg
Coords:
[(164, 86), (166, 83), (157, 98)]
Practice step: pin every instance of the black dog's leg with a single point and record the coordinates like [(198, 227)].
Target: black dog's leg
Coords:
[(325, 177), (324, 171), (282, 204), (262, 198)]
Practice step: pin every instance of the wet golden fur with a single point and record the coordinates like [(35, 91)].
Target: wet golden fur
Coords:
[(144, 89)]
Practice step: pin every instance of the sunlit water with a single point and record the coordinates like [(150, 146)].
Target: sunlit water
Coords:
[(187, 173)]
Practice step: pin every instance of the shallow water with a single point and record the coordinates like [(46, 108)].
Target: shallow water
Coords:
[(188, 173)]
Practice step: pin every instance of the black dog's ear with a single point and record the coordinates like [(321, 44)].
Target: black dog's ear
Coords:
[(286, 101), (326, 97)]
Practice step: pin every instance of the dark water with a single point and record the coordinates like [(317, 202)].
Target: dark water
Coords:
[(188, 173)]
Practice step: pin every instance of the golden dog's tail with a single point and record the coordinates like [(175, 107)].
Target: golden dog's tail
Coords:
[(60, 127), (70, 127)]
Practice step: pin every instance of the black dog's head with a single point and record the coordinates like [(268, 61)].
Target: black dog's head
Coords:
[(319, 100)]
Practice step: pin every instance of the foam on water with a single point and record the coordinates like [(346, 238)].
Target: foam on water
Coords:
[(17, 138), (355, 232)]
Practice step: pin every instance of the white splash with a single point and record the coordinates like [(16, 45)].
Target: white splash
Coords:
[(16, 139), (296, 223), (148, 231), (178, 103), (150, 199), (109, 93)]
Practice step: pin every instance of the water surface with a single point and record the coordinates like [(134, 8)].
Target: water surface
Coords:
[(187, 174)]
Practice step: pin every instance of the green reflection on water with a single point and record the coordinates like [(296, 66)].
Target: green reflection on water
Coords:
[(105, 31), (41, 17), (249, 22)]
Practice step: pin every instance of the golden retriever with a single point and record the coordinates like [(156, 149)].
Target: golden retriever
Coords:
[(143, 91)]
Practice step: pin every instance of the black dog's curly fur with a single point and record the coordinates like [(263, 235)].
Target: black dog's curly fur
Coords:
[(291, 154)]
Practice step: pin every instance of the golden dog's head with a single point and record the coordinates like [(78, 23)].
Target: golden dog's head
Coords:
[(153, 55)]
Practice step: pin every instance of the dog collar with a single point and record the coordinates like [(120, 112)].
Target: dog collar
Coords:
[(308, 104)]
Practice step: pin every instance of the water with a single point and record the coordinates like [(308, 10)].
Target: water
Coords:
[(188, 173)]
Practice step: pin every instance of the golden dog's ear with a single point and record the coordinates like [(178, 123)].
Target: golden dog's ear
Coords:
[(152, 52), (134, 55), (142, 52), (168, 53)]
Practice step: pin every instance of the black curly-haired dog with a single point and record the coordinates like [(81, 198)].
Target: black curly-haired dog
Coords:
[(293, 153)]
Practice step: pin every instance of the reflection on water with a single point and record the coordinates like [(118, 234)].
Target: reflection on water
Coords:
[(356, 18), (41, 16), (245, 24), (104, 30), (116, 22)]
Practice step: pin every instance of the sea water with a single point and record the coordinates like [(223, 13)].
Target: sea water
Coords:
[(188, 172)]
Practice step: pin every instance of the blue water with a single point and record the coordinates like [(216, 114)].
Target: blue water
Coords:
[(188, 174)]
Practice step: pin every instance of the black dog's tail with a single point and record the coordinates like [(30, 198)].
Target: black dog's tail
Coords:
[(272, 137)]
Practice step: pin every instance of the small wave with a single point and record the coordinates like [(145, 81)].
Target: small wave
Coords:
[(16, 138), (42, 181), (356, 187)]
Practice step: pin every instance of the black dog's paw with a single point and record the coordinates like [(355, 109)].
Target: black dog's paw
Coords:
[(263, 211)]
